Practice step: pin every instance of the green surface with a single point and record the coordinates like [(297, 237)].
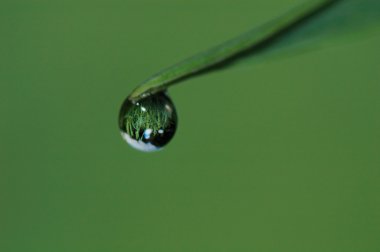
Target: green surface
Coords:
[(278, 156)]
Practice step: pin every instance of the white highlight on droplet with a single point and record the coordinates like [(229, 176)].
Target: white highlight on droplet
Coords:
[(147, 133), (139, 145), (168, 108)]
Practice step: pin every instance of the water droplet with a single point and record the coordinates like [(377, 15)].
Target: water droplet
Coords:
[(149, 124)]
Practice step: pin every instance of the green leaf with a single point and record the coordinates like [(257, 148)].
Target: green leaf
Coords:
[(315, 23)]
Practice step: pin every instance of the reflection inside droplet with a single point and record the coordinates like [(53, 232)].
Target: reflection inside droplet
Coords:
[(148, 124)]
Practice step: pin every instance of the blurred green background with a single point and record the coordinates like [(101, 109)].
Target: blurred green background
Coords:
[(278, 156)]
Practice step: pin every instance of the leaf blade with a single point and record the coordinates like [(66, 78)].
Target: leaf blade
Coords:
[(317, 19)]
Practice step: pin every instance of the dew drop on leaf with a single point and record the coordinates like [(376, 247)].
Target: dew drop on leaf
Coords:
[(149, 123)]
